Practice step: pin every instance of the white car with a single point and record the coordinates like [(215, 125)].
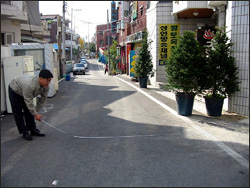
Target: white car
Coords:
[(92, 54), (78, 69), (85, 63)]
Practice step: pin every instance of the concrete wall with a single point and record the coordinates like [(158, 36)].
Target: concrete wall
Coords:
[(11, 26)]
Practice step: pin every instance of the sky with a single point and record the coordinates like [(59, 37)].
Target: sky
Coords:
[(94, 12)]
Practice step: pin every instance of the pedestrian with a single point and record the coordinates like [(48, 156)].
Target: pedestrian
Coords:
[(22, 90), (106, 68)]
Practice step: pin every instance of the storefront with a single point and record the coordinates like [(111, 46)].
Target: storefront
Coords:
[(133, 43)]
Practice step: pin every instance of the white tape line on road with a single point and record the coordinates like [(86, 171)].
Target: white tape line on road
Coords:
[(52, 126), (220, 144), (101, 137), (104, 137)]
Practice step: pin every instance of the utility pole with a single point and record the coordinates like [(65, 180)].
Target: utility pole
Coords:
[(108, 41), (72, 30), (88, 38), (59, 41), (63, 36), (71, 35)]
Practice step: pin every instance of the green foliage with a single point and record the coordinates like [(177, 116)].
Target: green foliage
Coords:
[(92, 47), (144, 65), (113, 55), (186, 65), (75, 51), (221, 72)]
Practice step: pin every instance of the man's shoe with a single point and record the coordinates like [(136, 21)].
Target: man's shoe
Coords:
[(27, 136), (36, 132)]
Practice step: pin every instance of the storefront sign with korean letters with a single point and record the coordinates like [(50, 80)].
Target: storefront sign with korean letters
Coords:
[(168, 34)]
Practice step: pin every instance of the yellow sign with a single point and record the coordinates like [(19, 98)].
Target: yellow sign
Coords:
[(168, 34)]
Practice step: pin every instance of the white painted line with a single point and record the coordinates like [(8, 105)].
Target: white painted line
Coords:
[(55, 182), (103, 137), (220, 144)]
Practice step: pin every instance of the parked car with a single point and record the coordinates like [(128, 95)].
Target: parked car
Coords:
[(92, 54), (82, 58), (85, 63), (78, 68)]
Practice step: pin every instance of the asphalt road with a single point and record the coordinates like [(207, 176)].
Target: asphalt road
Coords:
[(124, 139)]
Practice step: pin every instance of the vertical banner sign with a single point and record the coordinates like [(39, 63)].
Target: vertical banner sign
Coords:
[(168, 34), (133, 55), (134, 11), (128, 51), (124, 11)]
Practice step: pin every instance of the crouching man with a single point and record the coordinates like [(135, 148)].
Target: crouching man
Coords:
[(22, 91)]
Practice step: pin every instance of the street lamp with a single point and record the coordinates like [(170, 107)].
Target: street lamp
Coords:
[(72, 30)]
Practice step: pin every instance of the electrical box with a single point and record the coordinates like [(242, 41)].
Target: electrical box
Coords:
[(13, 67)]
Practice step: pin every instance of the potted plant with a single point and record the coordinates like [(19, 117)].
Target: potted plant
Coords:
[(221, 73), (144, 66), (185, 71)]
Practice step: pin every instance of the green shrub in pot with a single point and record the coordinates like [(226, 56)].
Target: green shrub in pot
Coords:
[(221, 72), (185, 71)]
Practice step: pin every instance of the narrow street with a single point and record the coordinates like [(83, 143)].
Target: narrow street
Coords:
[(116, 136)]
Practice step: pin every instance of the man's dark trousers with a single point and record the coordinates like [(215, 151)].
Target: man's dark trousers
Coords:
[(19, 110)]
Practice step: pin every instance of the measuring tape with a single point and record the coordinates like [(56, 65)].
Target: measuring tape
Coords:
[(102, 137)]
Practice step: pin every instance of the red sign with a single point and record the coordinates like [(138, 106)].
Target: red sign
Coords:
[(208, 34), (123, 53), (128, 51)]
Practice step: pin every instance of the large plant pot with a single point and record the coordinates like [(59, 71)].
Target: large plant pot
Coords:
[(214, 106), (143, 82), (185, 104)]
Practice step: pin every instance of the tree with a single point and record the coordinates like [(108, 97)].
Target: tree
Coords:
[(92, 47), (221, 72), (186, 66), (144, 65), (113, 55), (81, 42)]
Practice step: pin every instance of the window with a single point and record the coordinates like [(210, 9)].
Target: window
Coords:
[(141, 9), (6, 2), (49, 26), (7, 38), (148, 4)]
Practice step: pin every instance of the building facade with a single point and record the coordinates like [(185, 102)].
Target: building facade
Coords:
[(131, 23), (200, 17)]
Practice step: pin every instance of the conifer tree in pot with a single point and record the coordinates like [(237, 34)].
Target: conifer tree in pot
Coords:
[(221, 73), (185, 71), (144, 66)]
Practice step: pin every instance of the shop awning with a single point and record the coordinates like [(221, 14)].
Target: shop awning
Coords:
[(55, 46)]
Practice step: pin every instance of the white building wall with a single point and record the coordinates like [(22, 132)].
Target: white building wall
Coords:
[(237, 20), (151, 27)]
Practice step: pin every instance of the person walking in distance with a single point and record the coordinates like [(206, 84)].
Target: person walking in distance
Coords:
[(22, 90), (106, 68)]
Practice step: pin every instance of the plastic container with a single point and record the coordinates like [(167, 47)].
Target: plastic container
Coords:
[(67, 77)]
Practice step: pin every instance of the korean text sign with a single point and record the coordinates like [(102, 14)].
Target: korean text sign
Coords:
[(168, 34)]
